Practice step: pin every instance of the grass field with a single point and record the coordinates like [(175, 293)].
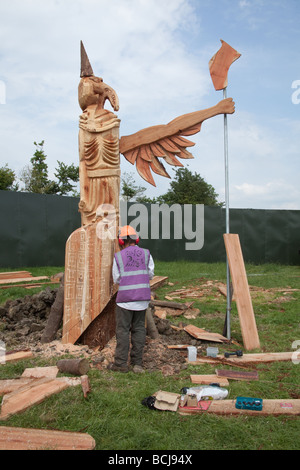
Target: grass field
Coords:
[(113, 414)]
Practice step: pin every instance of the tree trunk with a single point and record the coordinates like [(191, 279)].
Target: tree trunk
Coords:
[(150, 324), (56, 315), (73, 366)]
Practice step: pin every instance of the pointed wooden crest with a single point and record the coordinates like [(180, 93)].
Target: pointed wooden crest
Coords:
[(86, 68)]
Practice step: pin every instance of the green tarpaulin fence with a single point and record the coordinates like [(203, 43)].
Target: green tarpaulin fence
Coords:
[(35, 227)]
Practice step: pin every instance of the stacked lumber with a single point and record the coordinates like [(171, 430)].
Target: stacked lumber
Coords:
[(23, 279), (38, 383)]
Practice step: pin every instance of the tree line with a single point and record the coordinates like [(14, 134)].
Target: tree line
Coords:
[(185, 188)]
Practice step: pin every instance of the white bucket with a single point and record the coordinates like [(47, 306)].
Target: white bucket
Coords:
[(192, 353)]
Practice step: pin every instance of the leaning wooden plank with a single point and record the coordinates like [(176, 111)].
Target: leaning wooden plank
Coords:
[(12, 438), (208, 379), (274, 407), (246, 359), (29, 395), (16, 356), (241, 291), (237, 374), (199, 333)]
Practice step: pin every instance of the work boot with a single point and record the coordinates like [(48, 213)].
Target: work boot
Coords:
[(138, 369), (115, 368)]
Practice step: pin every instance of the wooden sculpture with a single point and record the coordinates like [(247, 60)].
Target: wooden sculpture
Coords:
[(89, 289)]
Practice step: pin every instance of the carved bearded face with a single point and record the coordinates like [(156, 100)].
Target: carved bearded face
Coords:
[(107, 225)]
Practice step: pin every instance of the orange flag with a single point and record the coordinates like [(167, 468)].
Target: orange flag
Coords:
[(219, 65)]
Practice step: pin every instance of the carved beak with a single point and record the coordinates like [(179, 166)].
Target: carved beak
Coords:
[(108, 94)]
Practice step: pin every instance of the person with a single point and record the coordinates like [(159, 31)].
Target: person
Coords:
[(133, 267)]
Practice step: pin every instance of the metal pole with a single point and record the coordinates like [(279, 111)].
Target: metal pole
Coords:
[(228, 309)]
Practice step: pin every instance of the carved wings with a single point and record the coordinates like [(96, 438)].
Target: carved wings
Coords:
[(146, 147), (147, 156)]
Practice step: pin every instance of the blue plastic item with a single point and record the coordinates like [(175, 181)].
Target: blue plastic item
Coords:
[(249, 403)]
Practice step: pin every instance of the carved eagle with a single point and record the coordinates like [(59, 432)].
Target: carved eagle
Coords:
[(147, 147)]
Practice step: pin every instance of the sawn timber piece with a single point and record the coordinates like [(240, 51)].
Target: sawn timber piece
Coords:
[(246, 359), (274, 407), (13, 438), (241, 291)]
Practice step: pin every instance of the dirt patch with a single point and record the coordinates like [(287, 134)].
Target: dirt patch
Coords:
[(22, 323)]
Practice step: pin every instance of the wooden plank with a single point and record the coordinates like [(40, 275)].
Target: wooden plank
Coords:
[(166, 303), (241, 291), (10, 385), (237, 374), (246, 359), (38, 372), (15, 274), (22, 279), (157, 281), (199, 333), (208, 379), (29, 395), (275, 407), (30, 286), (13, 438), (16, 356)]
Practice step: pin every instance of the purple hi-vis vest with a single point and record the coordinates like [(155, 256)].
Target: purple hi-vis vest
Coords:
[(133, 266)]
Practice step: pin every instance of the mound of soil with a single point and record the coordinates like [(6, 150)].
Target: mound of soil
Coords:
[(22, 323)]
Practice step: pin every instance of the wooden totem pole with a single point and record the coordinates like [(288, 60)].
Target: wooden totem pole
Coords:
[(89, 294)]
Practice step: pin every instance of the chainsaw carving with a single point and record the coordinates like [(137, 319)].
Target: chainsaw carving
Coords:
[(90, 249)]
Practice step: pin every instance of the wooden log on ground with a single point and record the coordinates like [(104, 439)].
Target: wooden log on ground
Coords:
[(13, 438), (166, 303), (73, 366), (56, 315), (150, 325)]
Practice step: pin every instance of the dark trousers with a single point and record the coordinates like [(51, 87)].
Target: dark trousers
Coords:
[(130, 323)]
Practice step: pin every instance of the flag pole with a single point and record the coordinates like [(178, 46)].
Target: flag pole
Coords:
[(228, 296), (218, 66)]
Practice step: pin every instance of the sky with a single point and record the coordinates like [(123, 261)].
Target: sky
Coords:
[(155, 54)]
